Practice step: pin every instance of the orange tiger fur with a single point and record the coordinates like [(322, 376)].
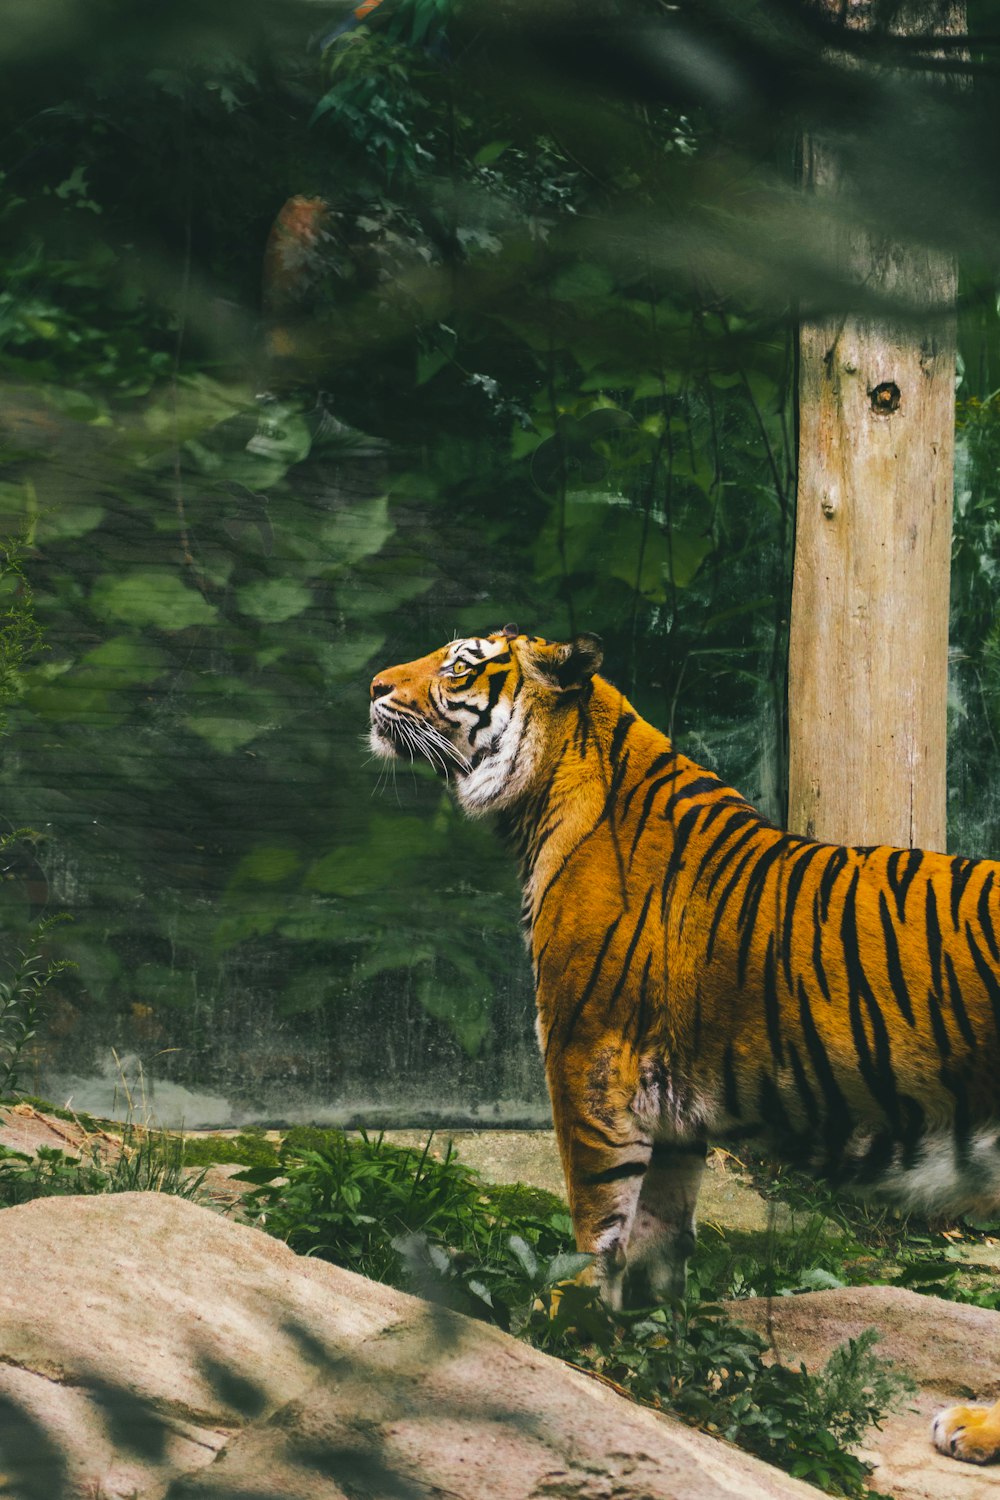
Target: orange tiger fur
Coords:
[(700, 972)]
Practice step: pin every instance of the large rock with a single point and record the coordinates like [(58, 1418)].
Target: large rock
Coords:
[(950, 1351), (151, 1349)]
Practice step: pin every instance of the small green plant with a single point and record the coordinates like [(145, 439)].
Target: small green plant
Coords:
[(21, 993), (19, 631)]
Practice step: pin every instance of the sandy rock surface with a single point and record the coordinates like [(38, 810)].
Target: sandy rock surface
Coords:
[(150, 1348)]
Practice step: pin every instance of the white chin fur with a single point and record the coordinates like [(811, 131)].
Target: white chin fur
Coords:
[(495, 782), (380, 744)]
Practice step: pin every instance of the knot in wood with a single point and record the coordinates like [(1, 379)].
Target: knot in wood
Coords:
[(885, 398)]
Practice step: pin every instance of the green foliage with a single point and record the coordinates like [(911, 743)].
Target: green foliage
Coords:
[(20, 635), (147, 1162), (427, 1223), (22, 990), (247, 1149), (361, 1204), (941, 1275)]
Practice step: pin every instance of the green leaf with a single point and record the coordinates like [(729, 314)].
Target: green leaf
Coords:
[(463, 1008), (272, 600), (584, 281), (224, 732), (603, 535), (486, 155), (524, 1255), (152, 596), (125, 660), (266, 866), (566, 1267), (345, 656), (357, 531)]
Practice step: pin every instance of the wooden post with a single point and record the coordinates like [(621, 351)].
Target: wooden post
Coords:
[(868, 648)]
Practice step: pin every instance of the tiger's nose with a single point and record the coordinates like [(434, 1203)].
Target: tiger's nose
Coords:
[(380, 688)]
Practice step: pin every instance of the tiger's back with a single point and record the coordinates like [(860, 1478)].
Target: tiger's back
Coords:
[(845, 1001)]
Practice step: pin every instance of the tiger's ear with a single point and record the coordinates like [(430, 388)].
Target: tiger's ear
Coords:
[(568, 664)]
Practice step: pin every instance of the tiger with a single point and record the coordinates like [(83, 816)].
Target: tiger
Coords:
[(700, 973)]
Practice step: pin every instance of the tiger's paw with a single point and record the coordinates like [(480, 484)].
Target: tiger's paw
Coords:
[(971, 1433)]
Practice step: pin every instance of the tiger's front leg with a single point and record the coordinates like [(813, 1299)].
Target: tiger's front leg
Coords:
[(605, 1155), (663, 1230)]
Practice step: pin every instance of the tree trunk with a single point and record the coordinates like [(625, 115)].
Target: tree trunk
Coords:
[(868, 649)]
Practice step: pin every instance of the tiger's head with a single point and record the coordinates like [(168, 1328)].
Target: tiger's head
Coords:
[(481, 710)]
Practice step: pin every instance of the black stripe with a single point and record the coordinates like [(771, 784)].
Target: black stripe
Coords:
[(752, 897), (933, 938), (938, 1027), (957, 1003), (730, 1089), (738, 819), (900, 885), (620, 735), (720, 804), (838, 1123), (582, 731), (647, 807), (792, 890), (610, 1221), (675, 864), (483, 715), (961, 1120), (591, 1128), (835, 863), (724, 896), (589, 987), (961, 874), (894, 967), (803, 1085), (618, 774), (876, 1161), (874, 1060), (985, 922), (818, 950), (692, 789), (630, 952), (730, 854), (642, 1008), (914, 1126), (986, 974), (772, 1009), (653, 769), (770, 1105), (892, 875), (558, 873), (619, 1173), (665, 1151)]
